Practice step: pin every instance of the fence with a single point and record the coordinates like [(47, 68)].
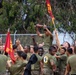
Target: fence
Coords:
[(27, 40)]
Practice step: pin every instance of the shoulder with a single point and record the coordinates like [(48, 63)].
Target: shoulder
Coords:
[(24, 63), (4, 56), (39, 57), (70, 58), (48, 56)]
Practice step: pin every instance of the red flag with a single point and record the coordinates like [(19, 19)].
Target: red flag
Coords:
[(50, 10), (8, 47)]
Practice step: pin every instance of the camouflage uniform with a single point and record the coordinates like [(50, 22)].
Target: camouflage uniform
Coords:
[(62, 64), (47, 41), (47, 68), (28, 56), (72, 62), (17, 68), (3, 61), (36, 67)]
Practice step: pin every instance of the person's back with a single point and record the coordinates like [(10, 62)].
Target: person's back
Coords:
[(37, 67), (18, 67), (72, 63), (3, 61)]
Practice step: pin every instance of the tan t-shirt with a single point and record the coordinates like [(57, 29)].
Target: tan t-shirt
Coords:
[(47, 41), (72, 62), (47, 59)]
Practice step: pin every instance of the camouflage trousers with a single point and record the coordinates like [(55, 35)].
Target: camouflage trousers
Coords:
[(60, 72), (47, 71), (35, 72)]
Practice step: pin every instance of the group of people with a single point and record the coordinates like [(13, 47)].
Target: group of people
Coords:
[(49, 59)]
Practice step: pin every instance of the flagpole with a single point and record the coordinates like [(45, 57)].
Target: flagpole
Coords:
[(54, 26), (8, 29), (53, 21)]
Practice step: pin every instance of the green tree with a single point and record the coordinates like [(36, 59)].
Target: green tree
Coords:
[(22, 16)]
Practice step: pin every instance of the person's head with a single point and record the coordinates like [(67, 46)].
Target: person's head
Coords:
[(63, 50), (27, 49), (46, 32), (18, 54), (36, 49), (73, 48), (56, 47), (14, 47), (23, 56), (66, 45), (31, 49), (52, 50), (40, 51), (69, 51)]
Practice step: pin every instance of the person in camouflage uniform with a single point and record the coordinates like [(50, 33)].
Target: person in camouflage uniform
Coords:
[(48, 64), (37, 67), (61, 61), (47, 37), (18, 67), (71, 65), (3, 62)]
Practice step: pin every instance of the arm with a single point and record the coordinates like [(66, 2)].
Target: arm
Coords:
[(34, 42), (37, 31), (67, 69), (57, 39), (41, 66), (53, 65), (9, 64), (45, 27)]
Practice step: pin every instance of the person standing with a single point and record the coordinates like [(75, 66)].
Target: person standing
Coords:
[(47, 36), (71, 65), (37, 67), (3, 62), (48, 64), (16, 69), (61, 61)]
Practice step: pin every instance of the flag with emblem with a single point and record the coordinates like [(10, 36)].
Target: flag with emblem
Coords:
[(50, 10), (8, 47)]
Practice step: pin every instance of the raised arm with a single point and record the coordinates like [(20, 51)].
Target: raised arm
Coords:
[(48, 30), (34, 41), (37, 31), (57, 39)]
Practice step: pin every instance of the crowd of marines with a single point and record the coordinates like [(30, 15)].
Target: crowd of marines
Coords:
[(51, 59)]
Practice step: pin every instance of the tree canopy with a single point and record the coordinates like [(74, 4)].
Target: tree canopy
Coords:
[(23, 15)]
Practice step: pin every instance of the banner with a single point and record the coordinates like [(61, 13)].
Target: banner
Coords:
[(8, 47), (50, 10)]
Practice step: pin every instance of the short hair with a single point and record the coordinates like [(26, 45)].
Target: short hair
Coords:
[(64, 48), (14, 46), (28, 46), (68, 44), (24, 55), (70, 50), (35, 49), (19, 53), (52, 48)]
